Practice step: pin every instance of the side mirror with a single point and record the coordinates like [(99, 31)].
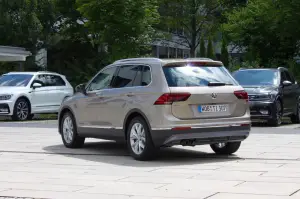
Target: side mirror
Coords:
[(80, 88), (286, 83), (36, 85)]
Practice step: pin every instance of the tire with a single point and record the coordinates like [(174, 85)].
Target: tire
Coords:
[(138, 134), (277, 120), (225, 148), (296, 118), (68, 131), (22, 110)]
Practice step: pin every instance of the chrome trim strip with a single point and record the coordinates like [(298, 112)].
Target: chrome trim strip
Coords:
[(97, 127), (157, 129), (101, 127), (201, 127)]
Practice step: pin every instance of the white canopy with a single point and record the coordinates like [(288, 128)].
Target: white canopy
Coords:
[(12, 54)]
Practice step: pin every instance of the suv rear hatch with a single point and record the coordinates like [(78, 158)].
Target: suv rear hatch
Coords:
[(204, 90)]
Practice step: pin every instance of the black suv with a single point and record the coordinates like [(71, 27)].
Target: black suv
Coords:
[(273, 93)]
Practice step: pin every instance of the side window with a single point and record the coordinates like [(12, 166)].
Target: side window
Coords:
[(50, 80), (282, 77), (57, 81), (289, 77), (143, 76), (138, 78), (102, 80), (146, 76), (126, 76)]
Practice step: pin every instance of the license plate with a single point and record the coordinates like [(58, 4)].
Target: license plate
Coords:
[(212, 108)]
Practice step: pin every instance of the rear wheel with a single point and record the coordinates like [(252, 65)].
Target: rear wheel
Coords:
[(225, 148), (139, 141), (68, 130), (277, 120)]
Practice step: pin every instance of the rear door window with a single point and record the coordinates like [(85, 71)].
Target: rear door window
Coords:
[(194, 76), (125, 76), (143, 76)]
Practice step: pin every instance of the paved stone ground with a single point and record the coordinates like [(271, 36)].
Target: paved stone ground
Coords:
[(34, 164)]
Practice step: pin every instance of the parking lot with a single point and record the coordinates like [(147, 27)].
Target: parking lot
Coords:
[(35, 164)]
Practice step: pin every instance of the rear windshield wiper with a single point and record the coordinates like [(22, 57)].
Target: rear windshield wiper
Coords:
[(217, 84)]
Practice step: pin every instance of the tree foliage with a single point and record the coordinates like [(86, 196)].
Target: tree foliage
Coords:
[(124, 26), (210, 49), (269, 28), (202, 47), (224, 53), (195, 17), (26, 23)]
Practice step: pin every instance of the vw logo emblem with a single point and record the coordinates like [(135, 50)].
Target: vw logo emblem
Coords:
[(214, 95)]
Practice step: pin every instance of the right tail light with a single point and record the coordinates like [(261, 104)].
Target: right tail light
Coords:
[(241, 95)]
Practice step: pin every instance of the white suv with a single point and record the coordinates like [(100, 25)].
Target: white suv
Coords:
[(23, 94)]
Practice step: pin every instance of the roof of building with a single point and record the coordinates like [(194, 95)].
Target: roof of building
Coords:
[(10, 54)]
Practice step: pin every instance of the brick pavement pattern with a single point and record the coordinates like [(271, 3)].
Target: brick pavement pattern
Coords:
[(35, 164)]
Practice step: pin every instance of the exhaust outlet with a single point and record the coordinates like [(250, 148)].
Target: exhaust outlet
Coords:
[(188, 142)]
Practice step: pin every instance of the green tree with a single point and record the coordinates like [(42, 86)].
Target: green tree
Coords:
[(210, 49), (196, 17), (259, 28), (125, 27), (72, 51), (224, 53), (202, 48)]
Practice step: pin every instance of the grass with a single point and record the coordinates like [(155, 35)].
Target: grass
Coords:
[(37, 117)]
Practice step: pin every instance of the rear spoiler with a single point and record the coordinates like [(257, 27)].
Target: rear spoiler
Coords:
[(194, 63)]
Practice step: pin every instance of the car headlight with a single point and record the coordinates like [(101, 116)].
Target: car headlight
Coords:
[(262, 97), (272, 96), (5, 97)]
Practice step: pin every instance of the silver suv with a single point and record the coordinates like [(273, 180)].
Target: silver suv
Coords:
[(152, 103)]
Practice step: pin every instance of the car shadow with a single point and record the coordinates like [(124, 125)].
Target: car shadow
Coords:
[(285, 122), (117, 154)]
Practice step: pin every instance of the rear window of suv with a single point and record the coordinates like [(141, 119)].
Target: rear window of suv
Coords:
[(194, 76)]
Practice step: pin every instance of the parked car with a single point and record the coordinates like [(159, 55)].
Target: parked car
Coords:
[(273, 93), (152, 103), (23, 94)]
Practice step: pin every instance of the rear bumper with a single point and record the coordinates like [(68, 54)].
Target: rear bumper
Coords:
[(257, 107), (200, 136)]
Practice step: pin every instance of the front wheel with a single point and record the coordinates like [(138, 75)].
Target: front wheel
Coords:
[(139, 141), (21, 110), (225, 148), (296, 118), (277, 120), (68, 130)]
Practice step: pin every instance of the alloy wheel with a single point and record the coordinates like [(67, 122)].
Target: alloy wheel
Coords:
[(22, 110), (278, 113), (137, 138), (68, 129)]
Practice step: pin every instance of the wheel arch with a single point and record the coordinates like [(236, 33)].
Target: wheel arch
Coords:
[(132, 114), (279, 98)]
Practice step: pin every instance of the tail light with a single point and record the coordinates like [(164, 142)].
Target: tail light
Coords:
[(241, 95), (169, 98)]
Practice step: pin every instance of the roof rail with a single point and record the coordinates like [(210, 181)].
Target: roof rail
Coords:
[(281, 67), (45, 71), (201, 58), (137, 59)]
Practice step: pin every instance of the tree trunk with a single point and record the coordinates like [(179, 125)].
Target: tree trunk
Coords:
[(194, 31)]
